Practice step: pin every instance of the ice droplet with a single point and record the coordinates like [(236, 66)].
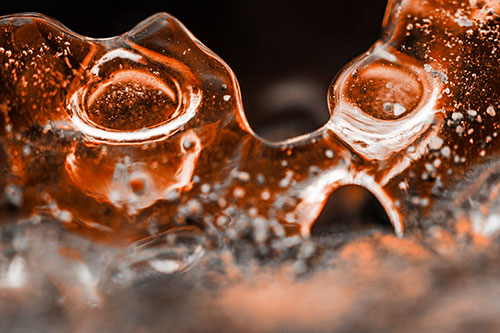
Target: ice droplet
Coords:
[(491, 111), (436, 143)]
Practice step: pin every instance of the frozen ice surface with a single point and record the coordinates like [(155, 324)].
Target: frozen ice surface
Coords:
[(54, 280), (133, 186)]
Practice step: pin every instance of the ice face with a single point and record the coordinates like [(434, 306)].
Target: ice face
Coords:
[(123, 121), (420, 109), (128, 137), (127, 159), (114, 134)]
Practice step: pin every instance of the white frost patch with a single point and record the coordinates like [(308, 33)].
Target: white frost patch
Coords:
[(435, 143), (165, 266), (464, 22), (491, 225), (285, 182), (486, 226), (472, 113), (446, 151), (14, 195), (399, 109), (491, 111), (457, 116), (17, 274), (329, 153), (85, 276)]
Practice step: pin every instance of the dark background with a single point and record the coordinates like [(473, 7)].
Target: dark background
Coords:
[(284, 53)]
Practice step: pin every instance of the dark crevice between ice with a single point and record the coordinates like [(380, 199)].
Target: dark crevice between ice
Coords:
[(351, 210)]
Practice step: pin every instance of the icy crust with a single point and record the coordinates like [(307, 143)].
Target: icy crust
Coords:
[(134, 185), (130, 136), (124, 137), (260, 280)]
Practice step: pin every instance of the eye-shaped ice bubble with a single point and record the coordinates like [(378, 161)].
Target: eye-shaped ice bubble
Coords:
[(102, 129), (131, 136), (383, 103), (420, 109)]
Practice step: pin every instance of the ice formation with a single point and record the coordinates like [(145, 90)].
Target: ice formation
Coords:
[(141, 142)]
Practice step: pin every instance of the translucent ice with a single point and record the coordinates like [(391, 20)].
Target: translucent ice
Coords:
[(144, 134), (130, 157)]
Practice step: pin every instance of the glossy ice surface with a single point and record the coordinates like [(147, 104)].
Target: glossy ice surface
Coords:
[(141, 136), (145, 132), (128, 159)]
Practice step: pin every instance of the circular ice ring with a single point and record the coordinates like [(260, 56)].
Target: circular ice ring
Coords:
[(188, 98)]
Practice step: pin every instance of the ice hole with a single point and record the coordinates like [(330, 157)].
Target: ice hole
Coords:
[(352, 209)]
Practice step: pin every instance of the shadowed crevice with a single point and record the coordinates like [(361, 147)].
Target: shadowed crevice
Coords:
[(351, 209)]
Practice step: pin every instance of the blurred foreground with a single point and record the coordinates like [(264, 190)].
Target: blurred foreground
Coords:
[(368, 280)]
